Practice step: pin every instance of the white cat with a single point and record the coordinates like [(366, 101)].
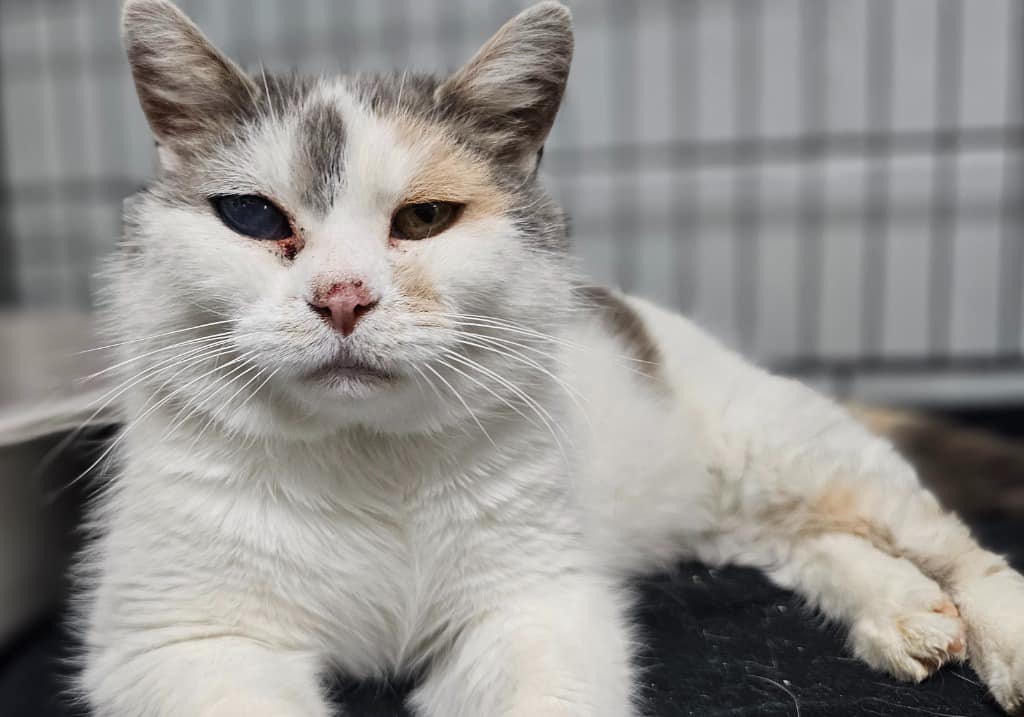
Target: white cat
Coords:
[(377, 423)]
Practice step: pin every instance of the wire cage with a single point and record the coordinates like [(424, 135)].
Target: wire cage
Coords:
[(834, 186)]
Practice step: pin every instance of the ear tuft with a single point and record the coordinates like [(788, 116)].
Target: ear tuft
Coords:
[(510, 92), (186, 87)]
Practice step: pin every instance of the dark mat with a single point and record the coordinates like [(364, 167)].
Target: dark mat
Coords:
[(719, 642)]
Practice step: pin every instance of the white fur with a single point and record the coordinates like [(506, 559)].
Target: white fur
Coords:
[(371, 554), (261, 535)]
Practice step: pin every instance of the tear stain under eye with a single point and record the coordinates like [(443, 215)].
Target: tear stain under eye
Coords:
[(449, 172), (290, 246)]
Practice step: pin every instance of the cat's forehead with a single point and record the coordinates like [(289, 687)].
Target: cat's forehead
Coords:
[(377, 140)]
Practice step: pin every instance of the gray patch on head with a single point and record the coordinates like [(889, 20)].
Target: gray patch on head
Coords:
[(320, 145), (404, 93), (275, 98), (280, 95), (623, 321), (318, 169)]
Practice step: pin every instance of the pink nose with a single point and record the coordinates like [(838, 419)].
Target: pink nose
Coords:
[(343, 304)]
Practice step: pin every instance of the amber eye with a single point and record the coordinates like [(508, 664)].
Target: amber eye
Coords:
[(427, 219)]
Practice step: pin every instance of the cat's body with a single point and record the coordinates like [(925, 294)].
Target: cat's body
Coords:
[(455, 488)]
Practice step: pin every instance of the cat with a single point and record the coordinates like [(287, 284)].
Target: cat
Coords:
[(378, 422)]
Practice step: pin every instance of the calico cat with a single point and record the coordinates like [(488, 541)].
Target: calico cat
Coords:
[(377, 422)]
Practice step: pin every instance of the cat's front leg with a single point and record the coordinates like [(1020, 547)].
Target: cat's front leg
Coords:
[(990, 595), (141, 675), (906, 577), (900, 621), (560, 649), (833, 512)]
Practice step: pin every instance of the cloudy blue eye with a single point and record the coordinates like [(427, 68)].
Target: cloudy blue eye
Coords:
[(253, 216)]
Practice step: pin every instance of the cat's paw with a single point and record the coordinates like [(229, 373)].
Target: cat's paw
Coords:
[(912, 639), (993, 606), (1004, 675)]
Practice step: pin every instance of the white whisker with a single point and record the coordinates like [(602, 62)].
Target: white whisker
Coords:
[(487, 388), (133, 359), (465, 405), (481, 341), (124, 431), (195, 404), (493, 323), (541, 412), (216, 412), (154, 336), (105, 400), (255, 391), (266, 89)]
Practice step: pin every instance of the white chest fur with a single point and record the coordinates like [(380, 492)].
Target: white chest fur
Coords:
[(372, 562)]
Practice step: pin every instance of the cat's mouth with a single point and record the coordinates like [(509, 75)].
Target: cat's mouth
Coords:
[(345, 369)]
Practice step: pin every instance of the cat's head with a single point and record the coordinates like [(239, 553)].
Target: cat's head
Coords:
[(372, 250)]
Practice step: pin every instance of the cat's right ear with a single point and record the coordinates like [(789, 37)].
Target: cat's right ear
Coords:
[(509, 93), (188, 89)]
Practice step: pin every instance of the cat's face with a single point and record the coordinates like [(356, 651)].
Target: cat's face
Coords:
[(355, 242)]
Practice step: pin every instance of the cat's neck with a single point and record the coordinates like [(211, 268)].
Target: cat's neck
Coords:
[(345, 462)]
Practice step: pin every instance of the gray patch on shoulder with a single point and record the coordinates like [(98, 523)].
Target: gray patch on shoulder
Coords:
[(624, 322), (319, 169)]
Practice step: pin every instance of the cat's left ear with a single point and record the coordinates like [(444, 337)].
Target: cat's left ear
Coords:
[(189, 91), (509, 93)]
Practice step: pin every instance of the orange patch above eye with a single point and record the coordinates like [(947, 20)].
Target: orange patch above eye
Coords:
[(449, 173)]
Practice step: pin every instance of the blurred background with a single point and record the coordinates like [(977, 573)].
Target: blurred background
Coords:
[(836, 187)]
